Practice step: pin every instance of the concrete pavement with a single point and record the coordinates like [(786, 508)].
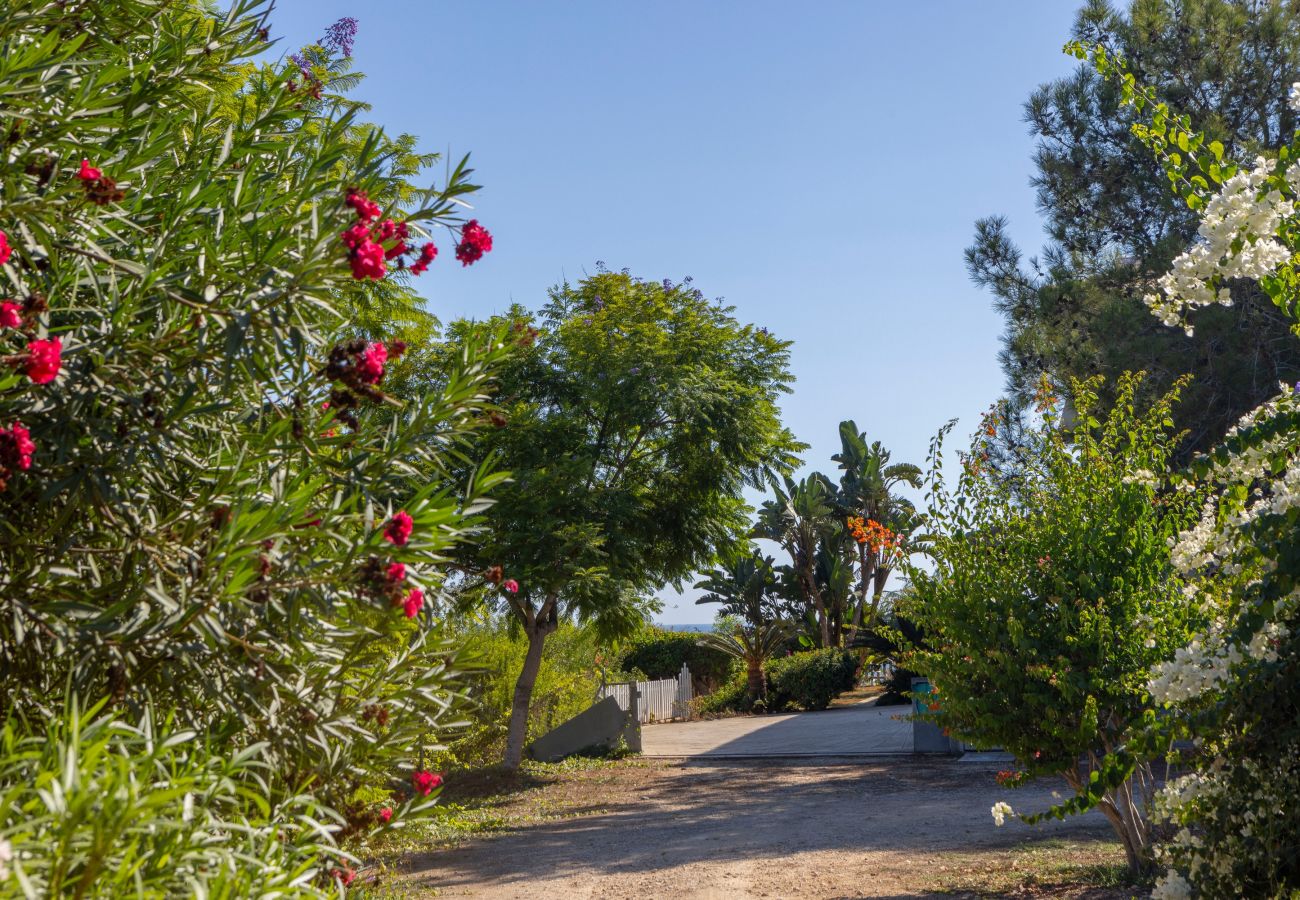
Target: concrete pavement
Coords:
[(858, 730)]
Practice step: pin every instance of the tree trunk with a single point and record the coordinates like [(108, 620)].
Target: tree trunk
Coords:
[(754, 678), (537, 627), (810, 587), (866, 565), (1121, 809)]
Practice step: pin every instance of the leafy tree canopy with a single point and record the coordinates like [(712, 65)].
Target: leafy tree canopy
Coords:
[(1114, 225)]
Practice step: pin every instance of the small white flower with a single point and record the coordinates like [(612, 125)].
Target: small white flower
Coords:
[(1000, 812)]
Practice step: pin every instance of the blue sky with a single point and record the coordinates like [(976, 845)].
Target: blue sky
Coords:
[(818, 165)]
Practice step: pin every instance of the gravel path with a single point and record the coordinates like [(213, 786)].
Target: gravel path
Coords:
[(748, 829)]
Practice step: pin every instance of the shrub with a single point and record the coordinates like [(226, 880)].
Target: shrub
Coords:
[(93, 805), (660, 653), (1234, 685), (1052, 595), (732, 697), (566, 685), (810, 680), (185, 525)]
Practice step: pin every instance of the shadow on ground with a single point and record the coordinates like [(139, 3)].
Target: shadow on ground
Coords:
[(718, 816)]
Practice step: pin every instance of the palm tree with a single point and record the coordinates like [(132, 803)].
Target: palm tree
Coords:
[(797, 518), (744, 585), (867, 491), (754, 646)]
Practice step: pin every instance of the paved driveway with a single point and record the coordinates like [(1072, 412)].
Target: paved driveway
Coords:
[(858, 730)]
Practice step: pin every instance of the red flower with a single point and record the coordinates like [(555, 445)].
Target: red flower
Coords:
[(346, 875), (9, 317), (399, 527), (16, 447), (512, 586), (396, 250), (5, 249), (386, 815), (474, 242), (367, 260), (366, 210), (370, 366), (428, 253), (355, 236), (43, 360), (89, 172), (425, 782), (396, 572), (413, 603)]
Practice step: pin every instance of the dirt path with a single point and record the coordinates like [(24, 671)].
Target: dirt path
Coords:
[(775, 829)]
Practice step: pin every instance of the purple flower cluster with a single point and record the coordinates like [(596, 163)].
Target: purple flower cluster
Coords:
[(300, 61), (340, 36)]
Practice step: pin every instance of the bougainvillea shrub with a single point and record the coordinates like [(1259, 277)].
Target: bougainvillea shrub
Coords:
[(1234, 686)]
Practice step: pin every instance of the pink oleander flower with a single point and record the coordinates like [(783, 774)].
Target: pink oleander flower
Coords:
[(386, 815), (413, 603), (43, 360), (366, 210), (399, 528), (428, 253), (370, 366), (396, 572), (425, 782), (511, 585), (16, 447), (355, 236), (475, 240), (5, 249), (89, 172), (367, 261), (10, 316)]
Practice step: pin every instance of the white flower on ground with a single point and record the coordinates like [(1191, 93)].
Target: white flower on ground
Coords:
[(1000, 812)]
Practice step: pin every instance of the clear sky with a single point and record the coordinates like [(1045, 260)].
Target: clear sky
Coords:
[(819, 165)]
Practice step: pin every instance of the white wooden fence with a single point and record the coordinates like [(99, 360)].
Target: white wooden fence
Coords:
[(657, 701)]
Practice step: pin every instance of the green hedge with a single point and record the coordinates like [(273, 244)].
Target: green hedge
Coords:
[(731, 697), (660, 654), (810, 680)]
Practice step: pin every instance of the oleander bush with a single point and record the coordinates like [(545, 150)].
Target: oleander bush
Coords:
[(213, 517)]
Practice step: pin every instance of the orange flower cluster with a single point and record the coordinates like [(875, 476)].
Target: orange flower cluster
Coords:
[(874, 535)]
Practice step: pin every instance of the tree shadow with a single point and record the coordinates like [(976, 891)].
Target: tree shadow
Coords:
[(723, 811)]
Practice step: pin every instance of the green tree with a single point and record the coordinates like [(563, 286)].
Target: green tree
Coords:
[(1114, 226), (744, 584), (637, 414), (1042, 619), (753, 645), (798, 518)]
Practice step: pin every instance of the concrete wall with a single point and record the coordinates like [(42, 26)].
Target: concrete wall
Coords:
[(600, 726)]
